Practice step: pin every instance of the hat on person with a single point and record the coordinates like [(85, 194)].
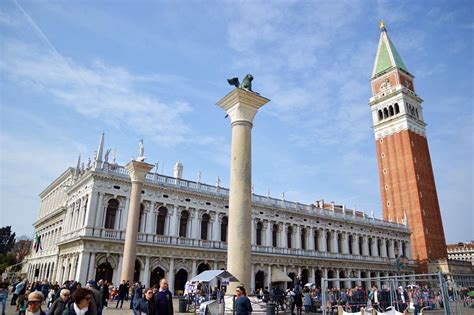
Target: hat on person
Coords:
[(92, 283), (35, 297)]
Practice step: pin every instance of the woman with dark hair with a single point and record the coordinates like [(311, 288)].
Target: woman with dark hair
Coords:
[(80, 304), (242, 302)]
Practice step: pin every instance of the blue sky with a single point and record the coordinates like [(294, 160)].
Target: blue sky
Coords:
[(155, 69)]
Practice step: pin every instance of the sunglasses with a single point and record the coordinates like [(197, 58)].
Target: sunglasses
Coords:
[(33, 302)]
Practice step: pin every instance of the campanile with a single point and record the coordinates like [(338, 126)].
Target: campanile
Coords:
[(406, 176)]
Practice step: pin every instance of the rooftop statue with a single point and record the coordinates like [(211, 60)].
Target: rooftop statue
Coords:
[(246, 83), (141, 152)]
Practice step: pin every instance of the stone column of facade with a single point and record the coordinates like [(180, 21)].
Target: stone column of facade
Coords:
[(335, 245), (281, 235), (408, 251), (253, 232), (194, 269), (269, 236), (284, 271), (391, 249), (137, 171), (195, 224), (215, 227), (322, 240), (241, 106), (91, 271), (269, 277), (345, 244), (337, 283), (171, 273), (374, 247), (174, 223), (146, 278), (383, 248), (252, 278), (310, 244), (365, 246), (83, 267), (297, 236), (355, 245), (358, 282)]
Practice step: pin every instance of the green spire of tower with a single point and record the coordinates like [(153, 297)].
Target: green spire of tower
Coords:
[(387, 55)]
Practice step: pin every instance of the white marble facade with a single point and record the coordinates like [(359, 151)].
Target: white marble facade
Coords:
[(183, 224)]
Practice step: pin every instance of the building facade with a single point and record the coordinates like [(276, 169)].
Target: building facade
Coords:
[(406, 175), (461, 251), (183, 231)]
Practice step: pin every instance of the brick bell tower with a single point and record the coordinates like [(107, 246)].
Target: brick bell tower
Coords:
[(406, 175)]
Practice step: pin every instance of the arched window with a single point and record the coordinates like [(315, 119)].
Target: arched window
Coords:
[(391, 110), (385, 113), (379, 246), (404, 254), (224, 224), (370, 246), (316, 240), (350, 240), (303, 238), (161, 220), (328, 242), (275, 235), (288, 236), (183, 223), (110, 214), (387, 247), (339, 243), (204, 225), (380, 115), (140, 218), (397, 108), (259, 233), (416, 112)]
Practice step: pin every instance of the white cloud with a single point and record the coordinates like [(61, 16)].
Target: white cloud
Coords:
[(100, 91)]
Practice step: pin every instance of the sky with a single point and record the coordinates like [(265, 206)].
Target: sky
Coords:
[(154, 70)]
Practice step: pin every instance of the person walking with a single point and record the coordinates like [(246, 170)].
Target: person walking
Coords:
[(146, 304), (20, 291), (164, 299), (242, 302), (3, 295), (122, 292), (59, 305)]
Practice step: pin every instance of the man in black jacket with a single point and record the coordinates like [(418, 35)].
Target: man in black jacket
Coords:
[(164, 299), (122, 292)]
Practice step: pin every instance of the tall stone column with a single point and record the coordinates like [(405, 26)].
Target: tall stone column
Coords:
[(241, 106), (137, 171)]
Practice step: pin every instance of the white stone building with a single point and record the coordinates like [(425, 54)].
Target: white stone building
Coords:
[(183, 231)]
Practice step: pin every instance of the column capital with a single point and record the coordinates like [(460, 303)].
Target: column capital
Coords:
[(242, 105), (137, 170)]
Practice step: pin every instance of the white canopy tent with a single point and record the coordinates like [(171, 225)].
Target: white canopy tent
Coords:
[(279, 276)]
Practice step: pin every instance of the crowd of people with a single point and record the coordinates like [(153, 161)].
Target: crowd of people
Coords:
[(308, 299), (72, 298)]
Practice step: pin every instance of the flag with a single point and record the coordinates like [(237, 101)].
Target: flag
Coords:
[(37, 243)]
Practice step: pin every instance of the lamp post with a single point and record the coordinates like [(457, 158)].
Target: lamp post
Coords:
[(400, 263)]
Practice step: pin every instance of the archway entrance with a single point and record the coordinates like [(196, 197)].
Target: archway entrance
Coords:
[(291, 284), (330, 276), (180, 281), (304, 276), (104, 271), (156, 275), (136, 272), (203, 267), (259, 280), (317, 278), (363, 275)]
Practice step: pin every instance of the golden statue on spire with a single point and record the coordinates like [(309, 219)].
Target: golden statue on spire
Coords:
[(382, 24)]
